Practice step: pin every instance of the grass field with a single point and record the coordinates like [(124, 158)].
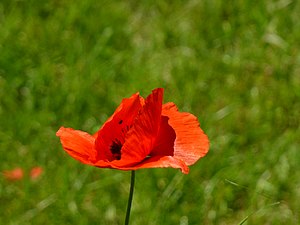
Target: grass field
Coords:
[(235, 65)]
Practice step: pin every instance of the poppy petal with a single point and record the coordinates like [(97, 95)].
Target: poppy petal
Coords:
[(116, 127), (160, 162), (191, 143), (164, 144), (141, 137), (78, 144)]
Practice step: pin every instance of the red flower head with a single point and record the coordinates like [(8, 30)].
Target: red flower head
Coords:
[(14, 175), (36, 172), (142, 133)]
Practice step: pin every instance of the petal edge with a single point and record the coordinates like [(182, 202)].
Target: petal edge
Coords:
[(159, 162)]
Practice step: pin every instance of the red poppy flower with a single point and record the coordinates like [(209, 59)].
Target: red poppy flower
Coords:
[(36, 172), (142, 133), (13, 175)]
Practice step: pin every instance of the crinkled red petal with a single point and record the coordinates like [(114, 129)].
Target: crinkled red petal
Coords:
[(141, 137), (78, 144), (116, 127), (191, 143), (164, 143)]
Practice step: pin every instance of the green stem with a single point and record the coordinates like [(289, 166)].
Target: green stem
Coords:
[(130, 197)]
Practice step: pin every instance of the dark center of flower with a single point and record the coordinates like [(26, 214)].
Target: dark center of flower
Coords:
[(115, 149), (117, 143)]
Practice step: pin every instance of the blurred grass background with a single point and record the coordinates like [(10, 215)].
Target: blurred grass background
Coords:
[(234, 64)]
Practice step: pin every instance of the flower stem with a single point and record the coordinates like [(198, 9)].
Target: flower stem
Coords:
[(130, 197)]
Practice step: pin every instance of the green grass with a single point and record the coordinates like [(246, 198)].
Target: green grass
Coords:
[(235, 65)]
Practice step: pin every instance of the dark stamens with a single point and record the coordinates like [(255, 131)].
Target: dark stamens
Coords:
[(115, 149)]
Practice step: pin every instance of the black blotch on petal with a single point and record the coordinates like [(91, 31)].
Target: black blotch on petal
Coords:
[(115, 149), (121, 121)]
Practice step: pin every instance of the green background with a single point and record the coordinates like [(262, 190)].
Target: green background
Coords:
[(233, 64)]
